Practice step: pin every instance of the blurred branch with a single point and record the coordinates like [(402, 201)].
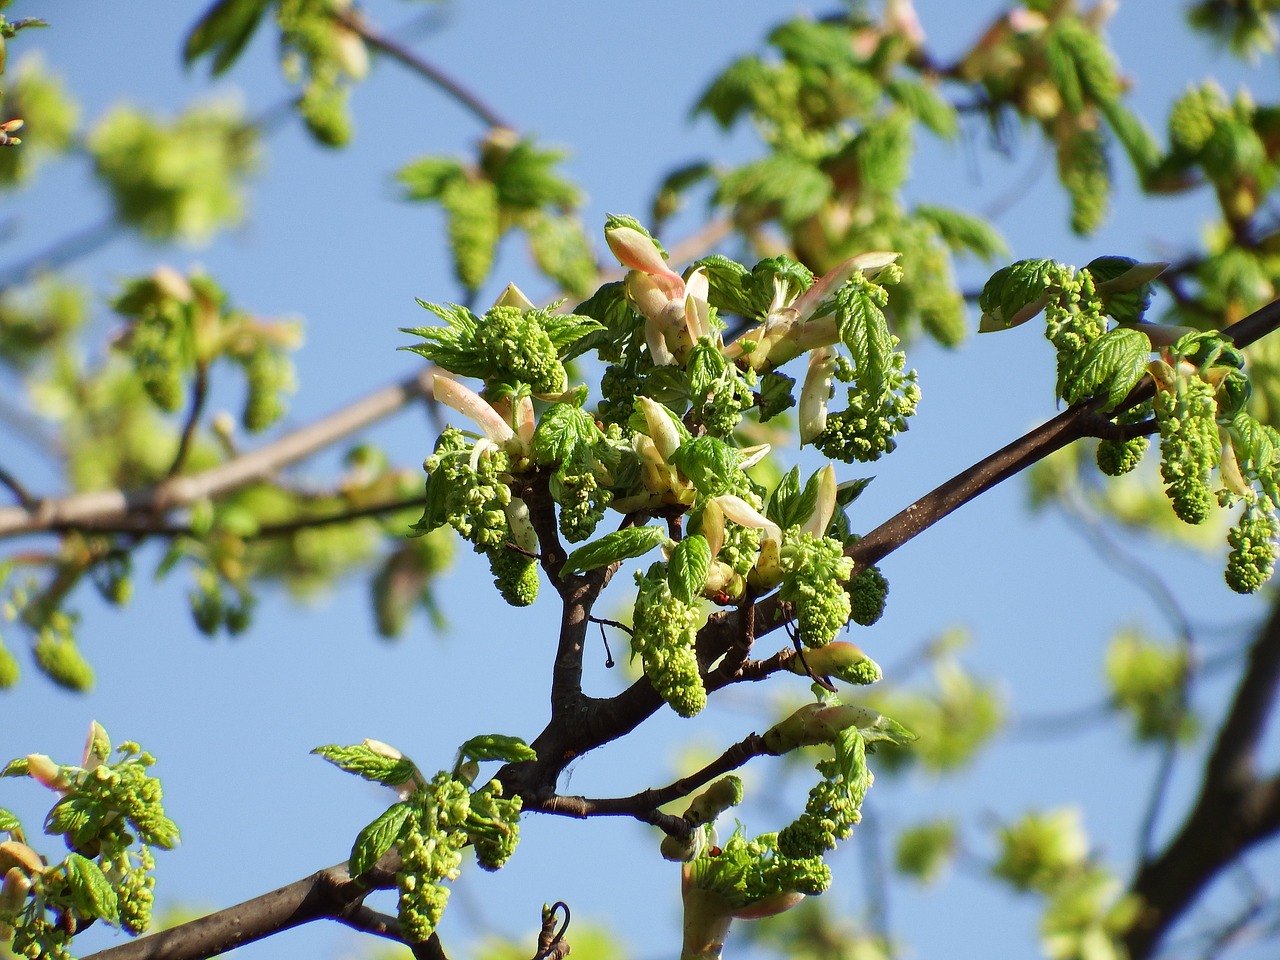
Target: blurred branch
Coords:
[(61, 253), (356, 23), (1234, 810), (24, 496), (199, 394), (124, 509)]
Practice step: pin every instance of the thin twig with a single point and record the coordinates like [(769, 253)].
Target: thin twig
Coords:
[(24, 496), (199, 394), (356, 23)]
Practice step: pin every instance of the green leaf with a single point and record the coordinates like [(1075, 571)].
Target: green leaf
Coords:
[(9, 822), (780, 185), (474, 228), (1110, 366), (497, 746), (775, 395), (524, 178), (708, 462), (225, 30), (923, 101), (427, 178), (377, 838), (688, 567), (362, 760), (613, 547), (561, 431), (77, 817), (91, 892), (15, 768), (960, 231), (1016, 293), (566, 329)]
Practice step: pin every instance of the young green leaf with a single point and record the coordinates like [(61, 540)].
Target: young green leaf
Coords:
[(1110, 366), (377, 838), (613, 547), (8, 822), (91, 891), (497, 746), (366, 762), (688, 567), (1016, 293)]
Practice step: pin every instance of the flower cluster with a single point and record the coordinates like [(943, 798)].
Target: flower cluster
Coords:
[(663, 629), (814, 573)]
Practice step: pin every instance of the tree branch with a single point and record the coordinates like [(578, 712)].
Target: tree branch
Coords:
[(327, 894), (1234, 810), (607, 720), (112, 508), (357, 24)]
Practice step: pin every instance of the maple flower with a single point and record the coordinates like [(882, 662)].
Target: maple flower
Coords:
[(676, 311)]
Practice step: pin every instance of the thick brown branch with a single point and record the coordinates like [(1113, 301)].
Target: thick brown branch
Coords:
[(327, 894), (1233, 811), (644, 805), (111, 508)]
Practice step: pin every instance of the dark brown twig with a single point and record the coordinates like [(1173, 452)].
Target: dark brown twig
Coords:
[(199, 394)]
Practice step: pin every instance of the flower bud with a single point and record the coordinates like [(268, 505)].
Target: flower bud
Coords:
[(815, 393), (839, 659), (42, 769), (15, 855), (14, 890), (383, 749)]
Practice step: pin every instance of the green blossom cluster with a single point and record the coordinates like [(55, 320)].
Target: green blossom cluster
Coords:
[(493, 825), (746, 872), (515, 574), (430, 845), (664, 628), (1075, 320), (520, 349), (1253, 549), (867, 594), (433, 822), (884, 393), (814, 573), (1189, 445), (719, 391), (582, 498), (1115, 458), (465, 488), (110, 815), (835, 802)]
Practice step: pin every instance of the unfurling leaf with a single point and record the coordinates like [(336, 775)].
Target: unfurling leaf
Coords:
[(497, 746), (377, 838), (688, 568), (613, 547)]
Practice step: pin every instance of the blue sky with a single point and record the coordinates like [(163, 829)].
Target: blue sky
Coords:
[(232, 721)]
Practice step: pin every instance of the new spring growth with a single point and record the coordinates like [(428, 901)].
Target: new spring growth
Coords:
[(513, 434), (676, 311), (838, 659), (703, 810), (816, 723), (795, 324)]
